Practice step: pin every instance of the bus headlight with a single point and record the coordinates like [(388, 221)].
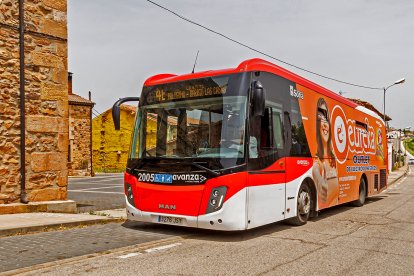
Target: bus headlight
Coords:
[(216, 199), (129, 194)]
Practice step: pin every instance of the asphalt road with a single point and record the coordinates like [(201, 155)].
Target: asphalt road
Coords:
[(102, 192), (376, 239)]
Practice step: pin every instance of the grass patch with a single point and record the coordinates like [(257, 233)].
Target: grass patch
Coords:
[(409, 145)]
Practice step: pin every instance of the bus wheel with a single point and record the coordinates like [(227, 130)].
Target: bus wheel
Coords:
[(362, 194), (304, 204)]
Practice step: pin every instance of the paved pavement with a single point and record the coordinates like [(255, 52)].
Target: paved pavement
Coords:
[(376, 239), (23, 251), (102, 192)]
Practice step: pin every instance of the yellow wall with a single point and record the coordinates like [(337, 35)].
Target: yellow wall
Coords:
[(107, 142)]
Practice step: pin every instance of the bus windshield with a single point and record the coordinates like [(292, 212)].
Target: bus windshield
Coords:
[(196, 119)]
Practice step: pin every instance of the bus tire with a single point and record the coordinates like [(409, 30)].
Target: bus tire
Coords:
[(304, 206), (362, 194)]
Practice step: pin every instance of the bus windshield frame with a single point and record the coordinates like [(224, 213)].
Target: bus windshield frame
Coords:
[(198, 121)]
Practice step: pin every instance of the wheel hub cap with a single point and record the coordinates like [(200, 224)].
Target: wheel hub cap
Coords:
[(304, 203)]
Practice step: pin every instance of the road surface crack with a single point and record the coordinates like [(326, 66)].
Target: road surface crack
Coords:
[(322, 246)]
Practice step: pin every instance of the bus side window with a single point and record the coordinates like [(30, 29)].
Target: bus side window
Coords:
[(266, 130), (277, 129), (266, 138), (271, 130)]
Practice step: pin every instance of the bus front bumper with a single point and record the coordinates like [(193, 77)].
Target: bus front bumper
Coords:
[(231, 217)]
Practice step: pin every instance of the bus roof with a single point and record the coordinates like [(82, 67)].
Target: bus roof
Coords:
[(255, 64)]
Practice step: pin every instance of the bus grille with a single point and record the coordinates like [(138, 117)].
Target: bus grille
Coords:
[(383, 178), (376, 182)]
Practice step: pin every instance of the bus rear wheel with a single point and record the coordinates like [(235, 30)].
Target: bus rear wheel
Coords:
[(304, 205), (362, 194)]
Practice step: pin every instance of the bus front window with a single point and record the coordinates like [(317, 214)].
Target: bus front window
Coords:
[(208, 126), (195, 128)]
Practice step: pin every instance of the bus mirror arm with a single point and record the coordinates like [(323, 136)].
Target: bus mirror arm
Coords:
[(116, 110), (259, 97)]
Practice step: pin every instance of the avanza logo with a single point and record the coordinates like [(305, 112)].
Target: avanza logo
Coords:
[(196, 178), (350, 136)]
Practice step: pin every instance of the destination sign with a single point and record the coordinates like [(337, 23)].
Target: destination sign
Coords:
[(192, 91)]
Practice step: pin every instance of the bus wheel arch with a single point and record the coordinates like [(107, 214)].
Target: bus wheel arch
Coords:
[(314, 197), (362, 192), (306, 198)]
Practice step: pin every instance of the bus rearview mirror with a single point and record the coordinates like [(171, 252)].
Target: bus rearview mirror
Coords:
[(258, 99), (116, 110)]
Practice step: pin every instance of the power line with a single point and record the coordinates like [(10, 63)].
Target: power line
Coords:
[(96, 111), (260, 52)]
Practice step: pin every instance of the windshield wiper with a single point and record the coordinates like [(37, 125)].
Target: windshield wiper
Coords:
[(201, 167), (138, 166), (192, 164)]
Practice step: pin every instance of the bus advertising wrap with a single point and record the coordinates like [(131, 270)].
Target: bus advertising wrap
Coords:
[(343, 143)]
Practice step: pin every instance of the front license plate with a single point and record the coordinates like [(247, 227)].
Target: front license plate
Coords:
[(170, 220)]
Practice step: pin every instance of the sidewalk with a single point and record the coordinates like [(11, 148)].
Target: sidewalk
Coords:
[(16, 224), (397, 174)]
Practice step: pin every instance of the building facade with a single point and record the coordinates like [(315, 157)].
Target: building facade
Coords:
[(43, 175), (80, 134), (110, 147)]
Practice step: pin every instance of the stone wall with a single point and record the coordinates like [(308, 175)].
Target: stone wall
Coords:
[(46, 100), (80, 139)]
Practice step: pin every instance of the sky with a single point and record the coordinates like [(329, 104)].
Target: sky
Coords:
[(114, 46)]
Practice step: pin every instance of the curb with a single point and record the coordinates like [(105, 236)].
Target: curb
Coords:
[(398, 178), (57, 226)]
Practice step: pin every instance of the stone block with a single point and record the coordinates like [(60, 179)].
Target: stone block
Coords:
[(47, 124), (8, 148), (62, 50), (66, 206), (4, 196), (62, 108), (17, 208), (60, 76), (63, 142), (62, 180), (60, 5), (51, 92), (38, 185), (48, 161), (55, 28), (48, 60), (47, 194), (4, 171)]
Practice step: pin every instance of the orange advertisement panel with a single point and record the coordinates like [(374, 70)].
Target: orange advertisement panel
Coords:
[(345, 143)]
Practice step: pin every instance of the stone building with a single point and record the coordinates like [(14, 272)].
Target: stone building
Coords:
[(80, 134), (43, 175), (110, 147)]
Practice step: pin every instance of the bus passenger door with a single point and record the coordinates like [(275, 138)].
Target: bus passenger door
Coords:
[(266, 168)]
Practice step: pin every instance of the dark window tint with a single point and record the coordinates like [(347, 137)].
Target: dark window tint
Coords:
[(300, 145), (280, 131)]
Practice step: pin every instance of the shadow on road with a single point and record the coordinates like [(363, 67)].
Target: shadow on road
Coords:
[(235, 236)]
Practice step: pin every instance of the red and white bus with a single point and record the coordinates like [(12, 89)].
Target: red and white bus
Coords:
[(243, 147)]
